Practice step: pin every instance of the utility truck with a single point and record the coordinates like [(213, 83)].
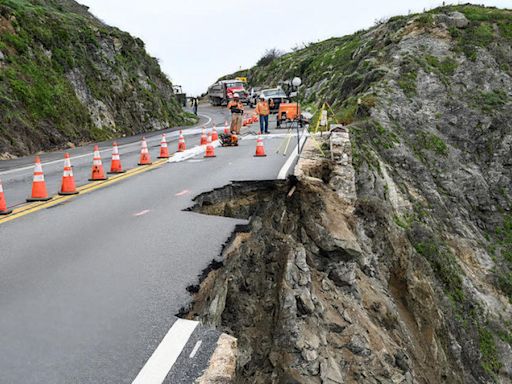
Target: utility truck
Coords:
[(223, 91)]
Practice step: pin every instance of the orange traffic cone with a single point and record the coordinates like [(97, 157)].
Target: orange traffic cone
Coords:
[(68, 186), (164, 150), (215, 135), (39, 192), (115, 164), (226, 128), (181, 143), (145, 158), (97, 172), (260, 149), (3, 203), (204, 139), (210, 151)]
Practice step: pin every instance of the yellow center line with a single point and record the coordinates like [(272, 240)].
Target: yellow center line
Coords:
[(90, 187)]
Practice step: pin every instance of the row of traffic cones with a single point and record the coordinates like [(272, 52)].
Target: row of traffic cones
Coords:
[(68, 186), (248, 120)]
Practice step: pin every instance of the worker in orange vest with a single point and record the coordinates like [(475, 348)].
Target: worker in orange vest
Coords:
[(263, 110), (237, 113)]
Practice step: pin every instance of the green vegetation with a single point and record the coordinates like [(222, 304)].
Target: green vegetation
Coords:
[(503, 247), (425, 20), (447, 66), (408, 83), (480, 32), (445, 267), (490, 360), (44, 42), (488, 101), (430, 142)]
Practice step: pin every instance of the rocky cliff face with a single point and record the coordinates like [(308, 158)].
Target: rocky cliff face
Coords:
[(408, 276), (67, 78)]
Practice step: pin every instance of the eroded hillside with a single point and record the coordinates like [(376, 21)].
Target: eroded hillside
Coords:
[(410, 279)]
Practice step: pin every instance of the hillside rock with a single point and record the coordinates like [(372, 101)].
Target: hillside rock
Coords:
[(69, 78), (409, 275)]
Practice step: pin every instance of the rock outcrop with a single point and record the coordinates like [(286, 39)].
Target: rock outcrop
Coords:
[(67, 78), (391, 261)]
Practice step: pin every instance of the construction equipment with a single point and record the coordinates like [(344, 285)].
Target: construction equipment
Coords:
[(288, 112), (228, 140)]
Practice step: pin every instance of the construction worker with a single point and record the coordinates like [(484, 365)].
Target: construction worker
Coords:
[(263, 110), (237, 113)]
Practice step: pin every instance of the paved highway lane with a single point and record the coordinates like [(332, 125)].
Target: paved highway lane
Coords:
[(89, 288), (17, 174)]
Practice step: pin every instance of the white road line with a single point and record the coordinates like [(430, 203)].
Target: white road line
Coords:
[(196, 348), (189, 131), (141, 213), (161, 361), (285, 168), (208, 117)]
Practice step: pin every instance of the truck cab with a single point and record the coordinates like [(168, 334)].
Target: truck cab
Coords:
[(223, 91)]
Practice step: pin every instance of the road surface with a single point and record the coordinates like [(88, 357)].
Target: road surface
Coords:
[(89, 287)]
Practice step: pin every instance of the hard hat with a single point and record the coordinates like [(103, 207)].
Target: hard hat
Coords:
[(262, 96), (236, 96)]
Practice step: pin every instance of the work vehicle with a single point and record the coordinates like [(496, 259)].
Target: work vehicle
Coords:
[(253, 96), (277, 95), (222, 92), (180, 95)]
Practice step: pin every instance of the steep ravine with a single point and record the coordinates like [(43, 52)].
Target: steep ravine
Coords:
[(327, 285)]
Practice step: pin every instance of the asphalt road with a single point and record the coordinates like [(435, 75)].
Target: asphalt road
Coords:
[(89, 288)]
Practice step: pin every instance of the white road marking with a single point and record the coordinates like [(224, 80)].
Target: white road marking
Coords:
[(286, 167), (190, 153), (141, 213), (183, 193), (208, 117), (157, 137), (161, 361), (196, 348)]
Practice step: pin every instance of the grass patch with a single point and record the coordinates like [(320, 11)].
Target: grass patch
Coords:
[(447, 66), (430, 142), (489, 101), (490, 360), (408, 83), (445, 267)]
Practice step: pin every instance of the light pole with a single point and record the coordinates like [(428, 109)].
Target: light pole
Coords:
[(296, 82)]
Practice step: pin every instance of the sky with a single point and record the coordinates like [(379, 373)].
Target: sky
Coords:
[(198, 41)]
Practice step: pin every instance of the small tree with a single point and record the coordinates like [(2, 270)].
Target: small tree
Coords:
[(269, 56)]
